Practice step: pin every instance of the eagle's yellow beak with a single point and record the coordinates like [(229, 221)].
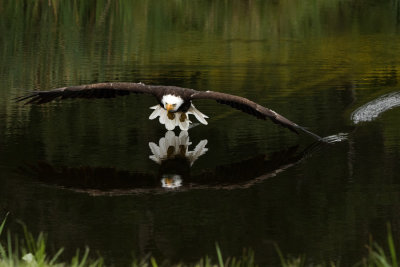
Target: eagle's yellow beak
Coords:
[(169, 107)]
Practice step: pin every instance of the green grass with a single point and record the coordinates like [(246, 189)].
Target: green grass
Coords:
[(32, 252), (377, 257)]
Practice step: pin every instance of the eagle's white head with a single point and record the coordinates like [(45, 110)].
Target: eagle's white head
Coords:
[(171, 103)]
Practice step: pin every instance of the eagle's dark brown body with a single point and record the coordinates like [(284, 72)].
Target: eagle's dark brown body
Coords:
[(111, 90)]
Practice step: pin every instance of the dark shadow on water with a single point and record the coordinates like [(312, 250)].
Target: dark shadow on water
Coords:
[(173, 172)]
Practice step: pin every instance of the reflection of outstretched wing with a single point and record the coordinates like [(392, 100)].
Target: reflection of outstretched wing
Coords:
[(109, 181), (88, 179), (246, 173)]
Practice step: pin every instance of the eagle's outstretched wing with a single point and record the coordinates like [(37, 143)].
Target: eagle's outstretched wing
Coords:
[(97, 90), (251, 108), (110, 90)]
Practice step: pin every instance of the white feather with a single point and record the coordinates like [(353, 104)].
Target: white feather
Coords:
[(163, 148), (177, 116), (157, 156), (163, 116), (156, 112), (170, 139), (156, 159), (199, 116), (184, 138), (199, 150), (184, 126), (155, 107), (169, 124), (155, 149)]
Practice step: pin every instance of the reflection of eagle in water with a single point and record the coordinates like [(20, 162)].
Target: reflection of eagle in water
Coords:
[(175, 103), (173, 173)]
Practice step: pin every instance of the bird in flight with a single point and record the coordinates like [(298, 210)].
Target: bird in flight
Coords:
[(174, 103)]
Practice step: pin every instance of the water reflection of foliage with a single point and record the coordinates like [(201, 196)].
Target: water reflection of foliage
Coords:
[(77, 28)]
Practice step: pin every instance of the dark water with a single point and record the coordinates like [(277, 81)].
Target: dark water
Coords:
[(80, 170)]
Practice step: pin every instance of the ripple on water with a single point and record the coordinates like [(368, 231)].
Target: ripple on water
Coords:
[(373, 109), (336, 138)]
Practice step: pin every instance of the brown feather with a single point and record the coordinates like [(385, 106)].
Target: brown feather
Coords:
[(98, 90), (252, 108)]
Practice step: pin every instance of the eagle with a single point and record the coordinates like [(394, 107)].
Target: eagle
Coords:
[(175, 104)]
